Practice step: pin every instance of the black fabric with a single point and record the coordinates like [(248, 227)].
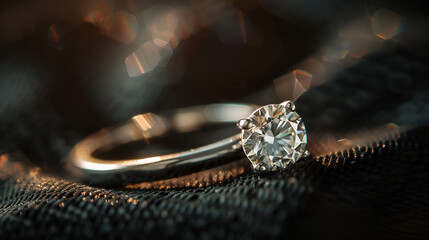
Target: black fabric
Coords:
[(374, 191)]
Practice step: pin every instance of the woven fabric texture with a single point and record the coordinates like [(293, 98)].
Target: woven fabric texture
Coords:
[(375, 191)]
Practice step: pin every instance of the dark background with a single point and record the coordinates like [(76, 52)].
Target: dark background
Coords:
[(64, 74)]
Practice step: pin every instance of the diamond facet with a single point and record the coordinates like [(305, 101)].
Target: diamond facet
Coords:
[(277, 138)]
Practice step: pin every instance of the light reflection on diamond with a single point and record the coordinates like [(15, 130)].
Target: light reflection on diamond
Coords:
[(278, 139), (387, 24), (143, 60)]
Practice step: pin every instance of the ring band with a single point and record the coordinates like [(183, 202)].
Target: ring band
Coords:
[(272, 137), (148, 126)]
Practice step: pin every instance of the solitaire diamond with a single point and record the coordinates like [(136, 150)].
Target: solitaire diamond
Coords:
[(273, 136)]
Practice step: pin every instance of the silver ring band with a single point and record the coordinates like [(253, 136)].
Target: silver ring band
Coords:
[(148, 126)]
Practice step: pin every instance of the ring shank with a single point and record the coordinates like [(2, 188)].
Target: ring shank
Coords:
[(147, 126)]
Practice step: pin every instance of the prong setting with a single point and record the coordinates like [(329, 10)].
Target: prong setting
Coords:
[(306, 154), (289, 105), (245, 124), (279, 139)]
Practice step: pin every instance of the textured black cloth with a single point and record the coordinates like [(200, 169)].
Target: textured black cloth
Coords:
[(375, 191)]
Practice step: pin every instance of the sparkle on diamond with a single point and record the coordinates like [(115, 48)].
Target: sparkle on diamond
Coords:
[(278, 138)]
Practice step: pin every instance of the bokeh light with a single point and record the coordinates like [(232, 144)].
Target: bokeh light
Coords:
[(143, 60), (315, 68), (166, 27), (165, 51), (293, 84), (387, 24), (162, 23), (335, 52), (121, 26), (96, 10), (358, 33), (55, 37), (234, 29)]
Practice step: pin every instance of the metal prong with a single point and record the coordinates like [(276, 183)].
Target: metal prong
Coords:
[(289, 105), (244, 124), (306, 154)]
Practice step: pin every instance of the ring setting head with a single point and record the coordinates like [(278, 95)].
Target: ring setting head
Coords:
[(273, 136)]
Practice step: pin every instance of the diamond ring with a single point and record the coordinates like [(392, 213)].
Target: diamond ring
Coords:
[(273, 136)]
